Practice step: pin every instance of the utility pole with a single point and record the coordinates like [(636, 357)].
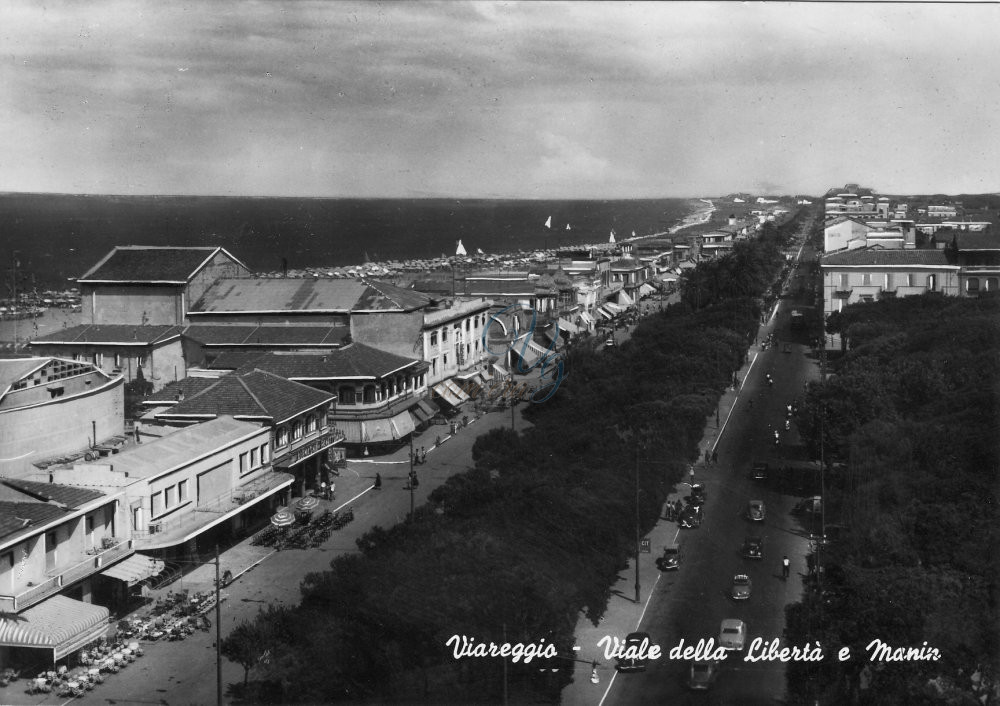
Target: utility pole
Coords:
[(218, 632), (637, 537), (411, 476)]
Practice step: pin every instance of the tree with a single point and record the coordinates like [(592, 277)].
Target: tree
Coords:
[(246, 645)]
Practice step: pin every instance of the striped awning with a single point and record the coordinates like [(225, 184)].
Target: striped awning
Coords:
[(372, 431), (624, 300), (450, 392), (605, 312), (587, 319), (565, 325), (134, 569), (60, 624), (612, 307)]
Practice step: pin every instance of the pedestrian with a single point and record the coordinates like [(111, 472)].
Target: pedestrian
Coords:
[(423, 455), (378, 481), (784, 567), (715, 457), (691, 474), (708, 457), (138, 428), (322, 490)]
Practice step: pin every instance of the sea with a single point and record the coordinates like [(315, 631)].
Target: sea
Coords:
[(56, 238)]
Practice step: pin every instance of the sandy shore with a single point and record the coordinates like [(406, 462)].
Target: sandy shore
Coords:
[(51, 321)]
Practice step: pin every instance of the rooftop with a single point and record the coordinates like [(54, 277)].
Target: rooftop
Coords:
[(147, 263), (355, 361), (111, 333), (237, 335), (881, 257), (314, 295)]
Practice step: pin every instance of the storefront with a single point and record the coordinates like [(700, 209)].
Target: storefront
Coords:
[(306, 462), (52, 630)]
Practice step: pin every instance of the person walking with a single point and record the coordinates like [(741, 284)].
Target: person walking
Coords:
[(784, 567), (378, 481), (715, 457), (138, 430)]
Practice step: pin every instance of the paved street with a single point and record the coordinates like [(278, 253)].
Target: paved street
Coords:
[(691, 603), (184, 672)]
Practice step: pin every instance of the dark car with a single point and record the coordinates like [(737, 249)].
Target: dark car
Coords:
[(691, 516), (630, 662), (759, 471), (671, 559), (742, 586), (755, 510), (703, 673), (753, 548), (698, 494)]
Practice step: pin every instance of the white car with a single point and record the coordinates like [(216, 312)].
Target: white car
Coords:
[(733, 634)]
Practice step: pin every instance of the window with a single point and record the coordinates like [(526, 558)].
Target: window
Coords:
[(444, 360), (98, 359), (434, 338), (909, 280), (322, 419), (156, 503), (56, 392), (444, 335), (118, 360), (888, 280), (254, 458), (434, 366), (170, 497), (468, 324), (297, 431), (281, 437), (182, 491), (263, 454), (142, 361), (843, 280), (972, 284), (243, 463), (931, 283), (991, 284), (310, 424), (866, 279)]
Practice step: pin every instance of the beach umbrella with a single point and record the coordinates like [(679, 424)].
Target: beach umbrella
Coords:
[(307, 503), (282, 518)]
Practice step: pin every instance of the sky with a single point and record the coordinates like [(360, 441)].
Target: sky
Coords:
[(529, 100)]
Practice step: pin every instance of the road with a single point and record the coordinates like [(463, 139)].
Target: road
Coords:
[(691, 603)]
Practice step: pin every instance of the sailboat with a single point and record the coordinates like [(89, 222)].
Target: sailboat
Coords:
[(479, 251), (567, 226), (612, 238), (548, 222), (460, 250)]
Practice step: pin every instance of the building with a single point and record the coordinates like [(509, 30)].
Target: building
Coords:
[(61, 549), (375, 390), (152, 286), (52, 407), (152, 353), (193, 488), (867, 274), (303, 443), (840, 232)]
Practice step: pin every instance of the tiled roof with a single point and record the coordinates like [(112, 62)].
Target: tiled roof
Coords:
[(843, 219), (222, 335), (306, 295), (487, 287), (67, 495), (13, 516), (232, 360), (145, 263), (880, 257), (255, 394), (111, 333), (186, 387), (353, 361)]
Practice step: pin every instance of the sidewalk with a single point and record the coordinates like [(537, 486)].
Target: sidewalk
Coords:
[(623, 614)]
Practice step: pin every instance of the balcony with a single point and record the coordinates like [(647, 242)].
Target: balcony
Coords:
[(61, 577), (373, 410), (842, 294)]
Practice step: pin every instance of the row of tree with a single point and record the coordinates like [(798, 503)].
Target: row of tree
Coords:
[(538, 531), (911, 411)]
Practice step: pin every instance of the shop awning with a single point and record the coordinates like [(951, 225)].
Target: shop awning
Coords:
[(646, 289), (373, 431), (450, 392), (587, 319), (60, 624), (499, 371), (420, 415), (569, 326), (428, 408), (606, 313), (624, 300), (134, 569), (612, 307)]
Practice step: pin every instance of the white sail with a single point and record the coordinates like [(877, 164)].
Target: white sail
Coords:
[(567, 226), (479, 251), (548, 223), (460, 250), (612, 238), (633, 233)]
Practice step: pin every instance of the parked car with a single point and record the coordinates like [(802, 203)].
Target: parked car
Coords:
[(691, 516), (809, 506), (753, 548), (671, 559), (732, 634), (609, 341), (755, 510), (759, 471), (698, 494), (703, 673), (741, 587), (633, 641)]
